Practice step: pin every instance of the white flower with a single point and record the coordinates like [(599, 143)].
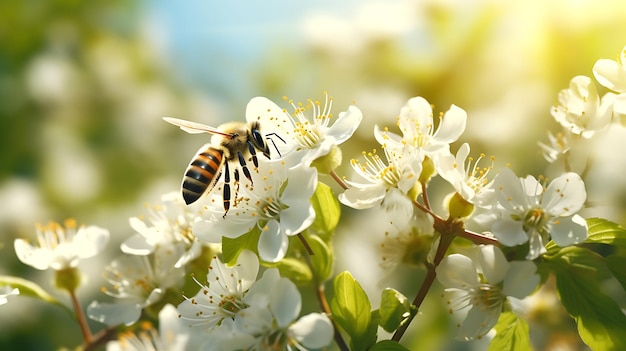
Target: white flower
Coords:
[(408, 240), (612, 75), (138, 282), (271, 318), (5, 292), (168, 223), (477, 286), (530, 213), (278, 205), (60, 248), (223, 295), (172, 335), (418, 128), (385, 183), (580, 109), (265, 318), (306, 138), (469, 181), (559, 145)]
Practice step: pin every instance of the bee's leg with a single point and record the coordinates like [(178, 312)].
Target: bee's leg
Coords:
[(244, 167), (236, 174), (226, 195), (252, 150)]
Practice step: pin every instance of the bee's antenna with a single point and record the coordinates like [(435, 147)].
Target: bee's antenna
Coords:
[(267, 136)]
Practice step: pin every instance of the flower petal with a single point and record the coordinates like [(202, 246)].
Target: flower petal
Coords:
[(247, 268), (478, 322), (211, 231), (509, 232), (610, 74), (567, 231), (275, 120), (90, 241), (521, 279), (272, 243), (385, 138), (346, 124), (492, 263), (35, 257), (565, 195), (457, 271), (122, 312), (313, 331), (509, 191), (363, 197), (301, 185), (535, 245), (260, 292), (452, 125), (285, 302), (297, 218), (137, 244)]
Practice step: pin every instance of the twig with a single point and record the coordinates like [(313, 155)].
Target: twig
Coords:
[(338, 180), (306, 245), (82, 321), (324, 303), (431, 274)]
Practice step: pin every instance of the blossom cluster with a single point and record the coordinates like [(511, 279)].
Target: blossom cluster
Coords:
[(248, 266)]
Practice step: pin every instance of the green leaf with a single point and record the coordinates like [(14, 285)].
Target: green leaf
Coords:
[(327, 211), (322, 258), (30, 289), (388, 345), (394, 309), (579, 275), (606, 232), (511, 334), (616, 265), (231, 248), (351, 309), (293, 269)]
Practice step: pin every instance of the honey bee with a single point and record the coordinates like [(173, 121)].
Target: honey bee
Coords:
[(231, 143)]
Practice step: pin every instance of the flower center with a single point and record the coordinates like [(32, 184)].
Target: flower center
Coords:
[(270, 207), (476, 176), (486, 296), (275, 340), (376, 170), (53, 234), (535, 218), (230, 304), (307, 135)]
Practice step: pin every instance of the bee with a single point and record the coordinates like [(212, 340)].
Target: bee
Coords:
[(231, 143)]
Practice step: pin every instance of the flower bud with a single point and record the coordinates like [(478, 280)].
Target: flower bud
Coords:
[(428, 170), (67, 279), (458, 207), (327, 163)]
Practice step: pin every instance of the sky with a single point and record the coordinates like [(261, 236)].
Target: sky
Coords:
[(213, 41)]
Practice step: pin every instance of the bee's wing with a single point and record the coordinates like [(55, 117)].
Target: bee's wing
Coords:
[(193, 127)]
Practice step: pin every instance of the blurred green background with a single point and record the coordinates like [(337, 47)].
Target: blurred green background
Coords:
[(84, 84)]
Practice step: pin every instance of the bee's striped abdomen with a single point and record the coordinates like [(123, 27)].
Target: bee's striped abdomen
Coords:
[(202, 173)]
